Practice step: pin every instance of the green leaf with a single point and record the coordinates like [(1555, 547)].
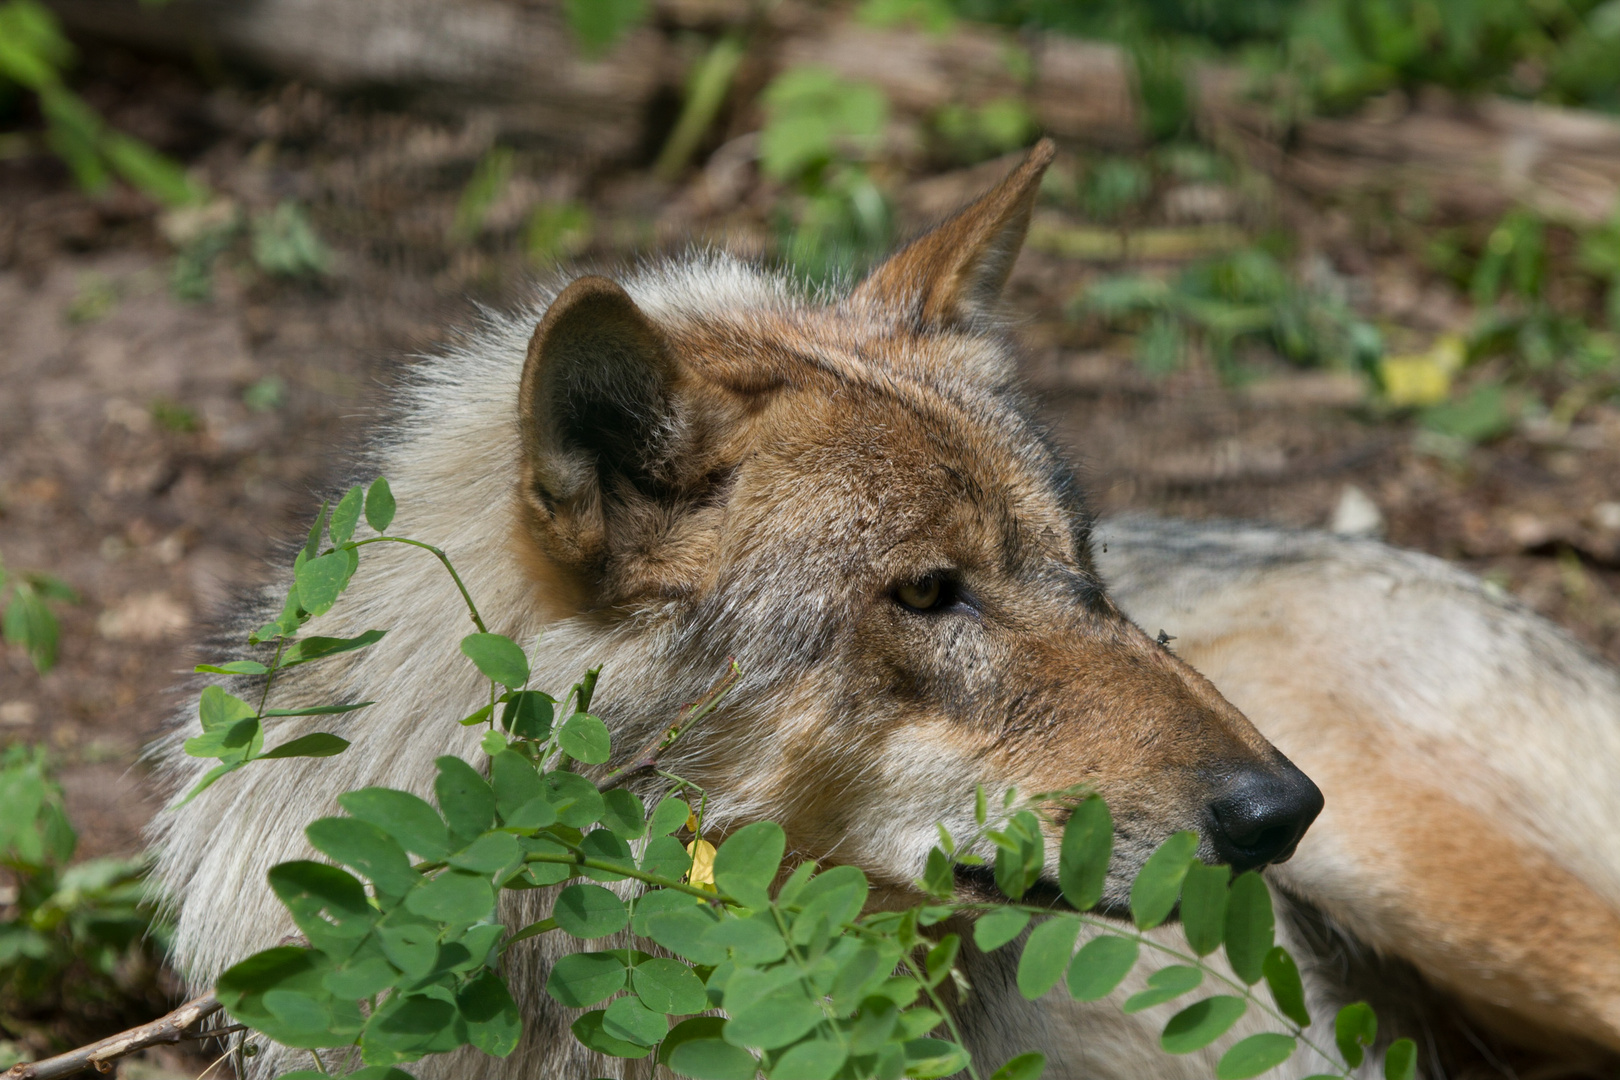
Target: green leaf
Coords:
[(455, 896), (1158, 883), (930, 1058), (1254, 1055), (683, 932), (368, 849), (599, 24), (579, 980), (660, 900), (712, 1059), (666, 857), (601, 844), (151, 172), (317, 744), (836, 896), (576, 799), (321, 580), (585, 737), (329, 905), (1287, 990), (668, 986), (465, 798), (1354, 1029), (754, 940), (746, 863), (1203, 906), (207, 781), (1100, 966), (591, 1031), (312, 546), (316, 648), (590, 911), (1088, 844), (1400, 1060), (1201, 1023), (409, 820), (1046, 954), (1023, 1067), (527, 714), (379, 505), (498, 657), (778, 1018), (998, 926), (233, 667), (317, 710), (670, 814), (1020, 853), (627, 1018), (489, 853), (493, 1021), (1250, 926), (813, 1059), (699, 1027), (1163, 985), (345, 516)]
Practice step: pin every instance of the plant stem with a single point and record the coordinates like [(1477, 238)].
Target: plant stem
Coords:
[(472, 609)]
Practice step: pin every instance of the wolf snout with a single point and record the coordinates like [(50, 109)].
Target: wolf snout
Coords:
[(1262, 815)]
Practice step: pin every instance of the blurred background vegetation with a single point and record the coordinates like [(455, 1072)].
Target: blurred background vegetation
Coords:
[(1342, 263)]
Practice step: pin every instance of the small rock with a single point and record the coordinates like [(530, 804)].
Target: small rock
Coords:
[(143, 617), (17, 713), (1357, 514), (1606, 516)]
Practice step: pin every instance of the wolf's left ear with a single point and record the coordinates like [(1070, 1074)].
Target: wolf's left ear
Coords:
[(955, 272), (597, 414)]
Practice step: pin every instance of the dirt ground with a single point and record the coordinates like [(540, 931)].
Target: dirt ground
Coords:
[(132, 467)]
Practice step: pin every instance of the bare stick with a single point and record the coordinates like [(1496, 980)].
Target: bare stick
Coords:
[(647, 760), (178, 1026)]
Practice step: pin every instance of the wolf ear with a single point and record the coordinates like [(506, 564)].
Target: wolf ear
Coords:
[(955, 272), (595, 409)]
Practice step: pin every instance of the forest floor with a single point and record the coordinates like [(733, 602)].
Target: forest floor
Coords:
[(157, 453)]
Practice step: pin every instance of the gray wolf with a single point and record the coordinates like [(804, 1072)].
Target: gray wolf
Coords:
[(844, 491)]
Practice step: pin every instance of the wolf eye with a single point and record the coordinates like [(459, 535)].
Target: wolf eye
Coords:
[(923, 594)]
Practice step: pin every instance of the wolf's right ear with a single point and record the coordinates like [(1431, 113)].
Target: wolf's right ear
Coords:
[(596, 412), (954, 273)]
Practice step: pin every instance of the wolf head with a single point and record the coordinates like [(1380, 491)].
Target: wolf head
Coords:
[(849, 497)]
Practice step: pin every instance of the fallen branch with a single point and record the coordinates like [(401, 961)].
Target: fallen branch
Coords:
[(179, 1026)]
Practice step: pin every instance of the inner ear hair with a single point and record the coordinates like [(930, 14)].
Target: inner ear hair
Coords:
[(954, 273), (594, 406)]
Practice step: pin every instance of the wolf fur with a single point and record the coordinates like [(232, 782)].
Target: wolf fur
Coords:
[(703, 461)]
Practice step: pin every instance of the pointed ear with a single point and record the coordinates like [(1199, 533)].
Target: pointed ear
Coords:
[(955, 273), (596, 414)]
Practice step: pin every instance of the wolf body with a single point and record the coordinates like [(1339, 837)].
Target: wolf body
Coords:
[(845, 493)]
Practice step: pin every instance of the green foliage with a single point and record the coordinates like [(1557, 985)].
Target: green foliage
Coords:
[(79, 933), (598, 25), (558, 231), (1242, 298), (33, 55), (27, 620), (285, 243), (820, 130), (488, 183), (405, 955)]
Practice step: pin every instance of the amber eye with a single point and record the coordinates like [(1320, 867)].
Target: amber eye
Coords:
[(921, 595)]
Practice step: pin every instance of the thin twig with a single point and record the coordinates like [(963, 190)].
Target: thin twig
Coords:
[(178, 1026), (647, 760)]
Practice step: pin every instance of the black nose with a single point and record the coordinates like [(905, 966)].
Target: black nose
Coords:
[(1261, 816)]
